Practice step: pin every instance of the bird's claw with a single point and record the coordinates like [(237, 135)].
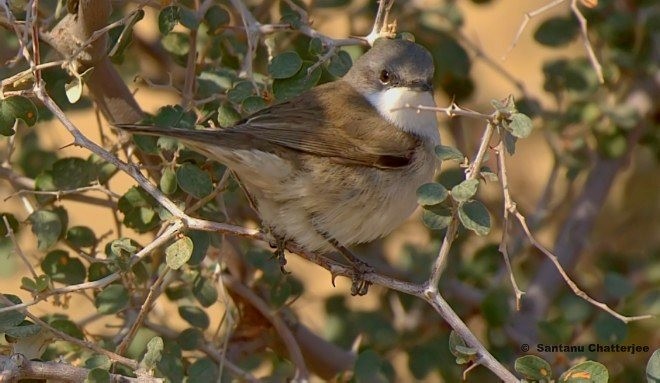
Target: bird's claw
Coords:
[(359, 285)]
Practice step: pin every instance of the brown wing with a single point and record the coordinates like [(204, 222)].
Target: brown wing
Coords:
[(353, 132)]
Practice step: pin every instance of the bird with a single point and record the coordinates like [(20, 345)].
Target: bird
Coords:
[(339, 164)]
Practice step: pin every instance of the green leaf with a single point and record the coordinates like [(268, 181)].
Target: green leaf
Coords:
[(138, 208), (285, 65), (24, 330), (557, 31), (448, 153), (460, 349), (112, 299), (240, 91), (60, 267), (195, 316), (253, 104), (74, 89), (509, 142), (171, 363), (188, 18), (315, 46), (37, 285), (340, 63), (203, 370), (125, 37), (145, 143), (68, 327), (531, 367), (227, 116), (178, 253), (204, 291), (72, 173), (154, 352), (653, 368), (520, 125), (586, 372), (98, 270), (201, 241), (80, 236), (15, 108), (47, 226), (465, 190), (437, 218), (495, 307), (98, 375), (474, 216), (176, 43), (98, 361), (190, 338), (368, 367), (505, 106), (609, 329), (216, 18), (44, 182), (194, 180), (431, 194), (617, 285), (284, 89), (168, 144), (102, 169), (175, 116), (168, 181), (10, 318)]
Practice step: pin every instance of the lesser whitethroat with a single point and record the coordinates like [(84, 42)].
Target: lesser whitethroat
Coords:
[(340, 164)]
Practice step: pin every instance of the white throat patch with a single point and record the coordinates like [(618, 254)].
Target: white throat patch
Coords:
[(398, 105)]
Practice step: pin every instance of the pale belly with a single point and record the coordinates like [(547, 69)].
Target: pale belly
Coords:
[(349, 204)]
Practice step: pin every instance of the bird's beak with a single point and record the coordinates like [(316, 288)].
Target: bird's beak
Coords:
[(421, 86)]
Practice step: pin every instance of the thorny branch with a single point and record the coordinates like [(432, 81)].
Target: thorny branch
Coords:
[(583, 31)]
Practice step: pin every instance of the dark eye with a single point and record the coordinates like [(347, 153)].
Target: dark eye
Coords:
[(385, 76)]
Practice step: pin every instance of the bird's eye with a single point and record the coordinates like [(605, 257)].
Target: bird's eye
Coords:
[(385, 76)]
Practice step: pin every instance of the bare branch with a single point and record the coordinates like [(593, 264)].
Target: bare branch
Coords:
[(16, 367), (583, 32)]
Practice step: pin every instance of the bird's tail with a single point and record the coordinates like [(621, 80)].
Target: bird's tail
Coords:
[(190, 135)]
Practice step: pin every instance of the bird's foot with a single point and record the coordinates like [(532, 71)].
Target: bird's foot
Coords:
[(279, 244), (359, 285)]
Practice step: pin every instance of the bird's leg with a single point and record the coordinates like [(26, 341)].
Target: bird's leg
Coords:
[(359, 285)]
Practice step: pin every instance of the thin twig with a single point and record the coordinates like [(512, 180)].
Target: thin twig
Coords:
[(154, 293), (583, 32), (171, 231), (499, 150), (17, 248), (587, 43), (82, 343), (59, 193), (573, 286), (302, 374)]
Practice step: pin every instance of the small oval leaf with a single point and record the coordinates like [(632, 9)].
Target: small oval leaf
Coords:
[(285, 65), (178, 253), (474, 216), (532, 367), (589, 371), (465, 190), (448, 153), (194, 180), (431, 194)]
